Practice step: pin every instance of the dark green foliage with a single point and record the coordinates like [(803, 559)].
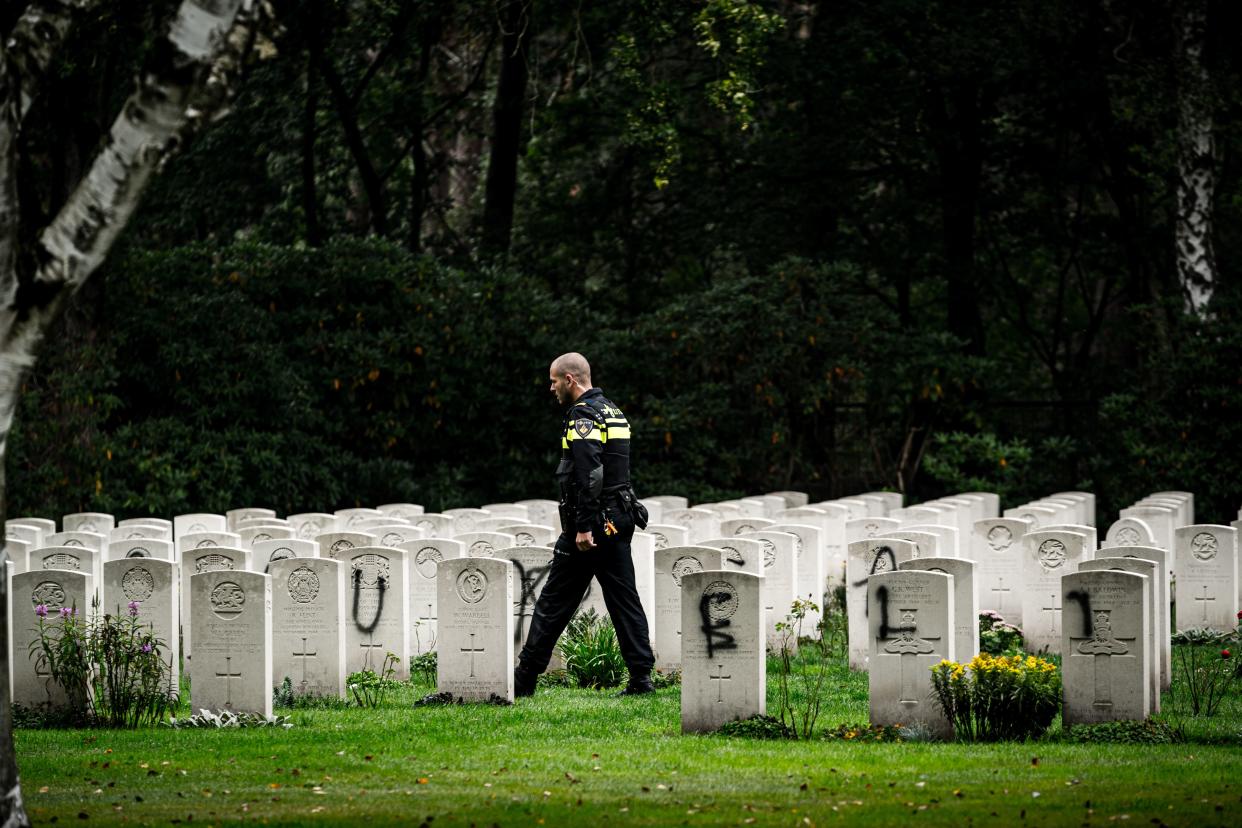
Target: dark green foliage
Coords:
[(425, 667), (757, 727), (865, 733), (1146, 732), (997, 636), (661, 679)]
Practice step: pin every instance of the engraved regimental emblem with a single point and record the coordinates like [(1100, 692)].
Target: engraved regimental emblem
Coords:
[(284, 553), (48, 593), (1203, 546), (464, 524), (138, 552), (471, 585), (1051, 554), (881, 559), (88, 526), (525, 539), (1102, 641), (368, 569), (260, 536), (769, 554), (1127, 536), (683, 566), (308, 530), (211, 563), (427, 560), (138, 584), (197, 527), (391, 539), (74, 542), (303, 585), (206, 543), (426, 524), (906, 640), (733, 556), (354, 520), (720, 598), (870, 530), (743, 529), (227, 600), (62, 560), (1000, 538), (661, 542), (482, 549), (338, 547)]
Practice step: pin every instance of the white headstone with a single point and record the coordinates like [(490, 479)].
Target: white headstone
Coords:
[(779, 586), (949, 542), (308, 624), (740, 554), (531, 565), (391, 534), (1129, 532), (408, 511), (1161, 519), (996, 549), (257, 534), (195, 562), (33, 685), (203, 540), (867, 558), (347, 520), (377, 609), (1205, 565), (267, 552), (742, 525), (235, 516), (71, 558), (869, 527), (475, 653), (1147, 569), (1047, 557), (910, 630), (543, 512), (671, 565), (424, 558), (1163, 617), (194, 523), (700, 523), (232, 642), (813, 582), (965, 601), (140, 548), (530, 534), (435, 525), (464, 520), (339, 545), (926, 545), (484, 544), (98, 523), (310, 525), (667, 536), (724, 660), (90, 540), (1106, 662), (155, 584)]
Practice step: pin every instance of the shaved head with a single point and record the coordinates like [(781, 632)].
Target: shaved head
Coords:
[(570, 377), (573, 363)]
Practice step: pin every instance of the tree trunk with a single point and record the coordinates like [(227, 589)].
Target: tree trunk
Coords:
[(501, 187), (189, 79), (310, 193), (1196, 171), (428, 38)]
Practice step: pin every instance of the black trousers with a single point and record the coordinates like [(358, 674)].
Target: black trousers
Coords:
[(568, 578)]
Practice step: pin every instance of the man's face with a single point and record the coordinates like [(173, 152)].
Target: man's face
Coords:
[(561, 387)]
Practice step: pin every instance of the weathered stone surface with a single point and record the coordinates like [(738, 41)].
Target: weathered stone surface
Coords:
[(232, 641), (1105, 653), (308, 624), (475, 660), (724, 664)]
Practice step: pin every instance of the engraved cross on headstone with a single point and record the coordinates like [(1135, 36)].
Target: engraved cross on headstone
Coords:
[(367, 648), (228, 675), (1000, 591), (1055, 610), (430, 616), (1102, 646), (720, 678), (472, 650), (1204, 601), (907, 645), (305, 654)]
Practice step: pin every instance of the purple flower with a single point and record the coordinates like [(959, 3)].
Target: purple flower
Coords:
[(65, 612), (133, 609), (41, 610), (146, 648)]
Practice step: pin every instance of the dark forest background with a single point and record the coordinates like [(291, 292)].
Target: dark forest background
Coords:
[(926, 245)]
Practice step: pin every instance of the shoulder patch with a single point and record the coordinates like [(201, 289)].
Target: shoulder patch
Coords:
[(583, 426)]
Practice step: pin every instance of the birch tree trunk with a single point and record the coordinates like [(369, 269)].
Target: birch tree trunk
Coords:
[(1196, 171), (188, 81)]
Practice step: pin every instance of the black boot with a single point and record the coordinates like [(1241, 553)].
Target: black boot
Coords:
[(639, 684), (524, 682)]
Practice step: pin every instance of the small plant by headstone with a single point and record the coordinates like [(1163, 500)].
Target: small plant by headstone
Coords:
[(865, 733), (369, 688), (111, 667), (591, 652), (799, 710), (997, 636), (757, 727), (1207, 666), (1147, 732), (423, 667)]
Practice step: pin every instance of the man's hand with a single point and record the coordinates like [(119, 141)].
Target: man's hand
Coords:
[(585, 541)]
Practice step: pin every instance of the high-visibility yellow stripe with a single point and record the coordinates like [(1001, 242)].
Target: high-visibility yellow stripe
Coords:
[(571, 435), (618, 433)]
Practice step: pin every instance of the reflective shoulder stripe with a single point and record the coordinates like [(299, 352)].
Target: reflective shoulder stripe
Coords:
[(572, 434), (619, 432)]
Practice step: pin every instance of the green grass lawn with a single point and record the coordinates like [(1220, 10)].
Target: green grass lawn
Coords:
[(579, 757)]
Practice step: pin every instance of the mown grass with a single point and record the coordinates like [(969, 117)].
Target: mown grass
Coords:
[(574, 757)]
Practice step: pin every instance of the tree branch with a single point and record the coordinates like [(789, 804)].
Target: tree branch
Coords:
[(348, 114), (36, 38)]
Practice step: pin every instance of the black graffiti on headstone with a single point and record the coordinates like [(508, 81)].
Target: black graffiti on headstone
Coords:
[(382, 586), (1083, 600), (717, 639), (884, 553), (530, 579)]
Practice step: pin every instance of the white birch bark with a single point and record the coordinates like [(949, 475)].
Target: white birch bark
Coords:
[(187, 83), (1196, 170)]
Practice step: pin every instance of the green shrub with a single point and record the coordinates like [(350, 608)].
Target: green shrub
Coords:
[(368, 688), (757, 727), (998, 698), (1146, 732), (997, 636), (865, 733), (591, 652)]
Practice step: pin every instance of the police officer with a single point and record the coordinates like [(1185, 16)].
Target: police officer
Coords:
[(598, 515)]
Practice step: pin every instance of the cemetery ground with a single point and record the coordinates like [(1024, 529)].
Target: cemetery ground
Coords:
[(574, 757)]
